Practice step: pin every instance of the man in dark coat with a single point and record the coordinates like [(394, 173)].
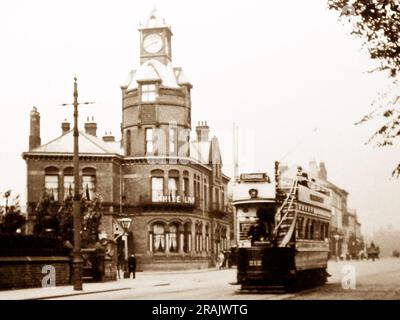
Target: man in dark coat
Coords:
[(132, 265)]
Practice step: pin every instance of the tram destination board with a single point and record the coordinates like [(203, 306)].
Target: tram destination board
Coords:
[(254, 177)]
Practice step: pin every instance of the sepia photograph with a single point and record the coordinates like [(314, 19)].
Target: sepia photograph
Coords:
[(218, 152)]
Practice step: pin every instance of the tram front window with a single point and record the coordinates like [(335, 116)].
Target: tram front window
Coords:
[(262, 231)]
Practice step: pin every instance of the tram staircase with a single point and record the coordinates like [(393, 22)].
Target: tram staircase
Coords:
[(286, 218)]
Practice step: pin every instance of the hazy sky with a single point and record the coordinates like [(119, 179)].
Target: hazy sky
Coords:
[(278, 69)]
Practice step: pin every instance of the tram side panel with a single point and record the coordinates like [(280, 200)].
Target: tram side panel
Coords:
[(311, 255)]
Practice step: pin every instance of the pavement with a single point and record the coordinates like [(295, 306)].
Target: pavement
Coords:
[(368, 280), (152, 278)]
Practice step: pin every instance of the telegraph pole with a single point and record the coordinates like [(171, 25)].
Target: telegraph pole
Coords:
[(77, 260)]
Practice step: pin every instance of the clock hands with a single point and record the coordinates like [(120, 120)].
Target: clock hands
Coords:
[(150, 44)]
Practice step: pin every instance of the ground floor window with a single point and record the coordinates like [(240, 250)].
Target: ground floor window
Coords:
[(158, 238), (173, 238)]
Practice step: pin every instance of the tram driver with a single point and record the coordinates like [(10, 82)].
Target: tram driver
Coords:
[(263, 230)]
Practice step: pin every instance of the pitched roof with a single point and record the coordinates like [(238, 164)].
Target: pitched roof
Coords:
[(88, 144), (154, 70), (200, 151), (206, 152)]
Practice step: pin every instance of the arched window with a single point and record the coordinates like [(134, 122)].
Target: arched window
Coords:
[(157, 185), (173, 182), (185, 184), (128, 142), (51, 182), (158, 237), (199, 237), (187, 245), (88, 183), (69, 186), (173, 238)]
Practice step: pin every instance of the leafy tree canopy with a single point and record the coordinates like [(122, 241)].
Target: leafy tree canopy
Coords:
[(377, 24), (11, 218), (56, 219)]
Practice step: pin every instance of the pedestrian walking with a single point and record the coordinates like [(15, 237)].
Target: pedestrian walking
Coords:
[(132, 265)]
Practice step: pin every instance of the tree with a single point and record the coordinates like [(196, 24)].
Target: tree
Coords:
[(57, 220), (377, 24), (12, 220), (47, 216)]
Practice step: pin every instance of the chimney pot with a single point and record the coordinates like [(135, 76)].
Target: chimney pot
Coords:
[(65, 127), (108, 137), (91, 127)]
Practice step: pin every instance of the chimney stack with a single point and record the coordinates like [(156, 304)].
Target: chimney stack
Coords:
[(108, 137), (91, 127), (323, 173), (65, 127), (34, 137), (202, 131), (313, 168)]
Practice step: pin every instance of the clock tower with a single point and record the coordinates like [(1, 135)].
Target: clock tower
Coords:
[(155, 39)]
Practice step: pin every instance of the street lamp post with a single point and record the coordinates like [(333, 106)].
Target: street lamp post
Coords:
[(126, 223), (77, 260)]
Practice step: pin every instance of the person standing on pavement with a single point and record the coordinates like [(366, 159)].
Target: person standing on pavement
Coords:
[(220, 260), (132, 265)]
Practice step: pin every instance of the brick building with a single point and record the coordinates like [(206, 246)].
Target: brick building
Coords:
[(170, 185), (345, 230)]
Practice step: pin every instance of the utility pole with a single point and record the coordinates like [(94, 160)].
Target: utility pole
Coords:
[(235, 176), (77, 260), (235, 152)]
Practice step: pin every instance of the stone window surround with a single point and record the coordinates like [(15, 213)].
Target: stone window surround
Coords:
[(67, 171), (186, 233), (181, 175)]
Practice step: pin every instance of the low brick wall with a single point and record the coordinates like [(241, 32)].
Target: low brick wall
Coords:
[(149, 262), (26, 271)]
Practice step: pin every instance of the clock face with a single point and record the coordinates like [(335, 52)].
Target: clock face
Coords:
[(152, 43)]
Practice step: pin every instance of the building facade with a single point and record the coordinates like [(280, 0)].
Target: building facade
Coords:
[(352, 230), (170, 185), (338, 234)]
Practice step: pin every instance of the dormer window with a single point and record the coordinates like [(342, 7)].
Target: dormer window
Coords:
[(149, 93)]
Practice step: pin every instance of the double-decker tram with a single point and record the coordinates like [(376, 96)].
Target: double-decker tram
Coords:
[(282, 230)]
